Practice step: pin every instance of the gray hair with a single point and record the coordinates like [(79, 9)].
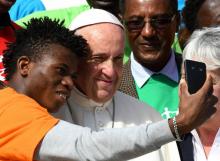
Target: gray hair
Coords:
[(204, 46)]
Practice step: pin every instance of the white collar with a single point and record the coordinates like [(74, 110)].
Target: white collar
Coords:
[(84, 102), (142, 74), (198, 150)]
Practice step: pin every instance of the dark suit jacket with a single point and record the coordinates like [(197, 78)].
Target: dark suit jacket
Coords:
[(127, 83), (186, 148)]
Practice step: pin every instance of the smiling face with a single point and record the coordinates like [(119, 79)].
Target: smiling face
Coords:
[(100, 74), (151, 42), (48, 80)]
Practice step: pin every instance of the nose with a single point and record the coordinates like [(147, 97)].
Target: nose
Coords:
[(108, 68), (148, 30), (68, 82)]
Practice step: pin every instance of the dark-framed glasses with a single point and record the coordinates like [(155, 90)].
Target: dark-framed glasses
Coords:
[(157, 23)]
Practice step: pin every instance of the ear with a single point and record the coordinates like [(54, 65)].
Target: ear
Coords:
[(24, 65)]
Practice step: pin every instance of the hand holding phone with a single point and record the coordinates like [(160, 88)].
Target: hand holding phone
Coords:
[(195, 74)]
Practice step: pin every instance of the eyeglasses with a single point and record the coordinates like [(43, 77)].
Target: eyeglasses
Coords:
[(157, 23)]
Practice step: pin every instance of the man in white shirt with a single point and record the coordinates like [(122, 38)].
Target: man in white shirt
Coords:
[(95, 101)]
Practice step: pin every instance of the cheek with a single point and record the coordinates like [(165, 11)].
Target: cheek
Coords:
[(217, 91), (167, 38), (88, 82), (167, 35), (132, 38), (118, 71)]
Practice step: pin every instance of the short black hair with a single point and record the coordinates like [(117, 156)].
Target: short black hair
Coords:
[(190, 12), (35, 39), (173, 3)]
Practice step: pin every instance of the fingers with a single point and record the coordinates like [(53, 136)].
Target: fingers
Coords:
[(212, 102), (196, 108), (183, 88), (207, 88)]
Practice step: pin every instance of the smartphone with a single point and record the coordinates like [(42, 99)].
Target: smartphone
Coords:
[(195, 75)]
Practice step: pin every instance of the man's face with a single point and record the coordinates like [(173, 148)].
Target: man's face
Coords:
[(209, 14), (151, 27), (49, 80), (5, 5), (99, 75)]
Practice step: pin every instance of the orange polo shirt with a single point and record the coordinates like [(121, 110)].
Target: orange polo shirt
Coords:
[(23, 124)]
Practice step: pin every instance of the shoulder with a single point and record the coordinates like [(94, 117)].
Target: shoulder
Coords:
[(13, 102)]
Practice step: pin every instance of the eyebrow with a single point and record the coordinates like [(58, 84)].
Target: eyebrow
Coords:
[(155, 15), (63, 65), (98, 54)]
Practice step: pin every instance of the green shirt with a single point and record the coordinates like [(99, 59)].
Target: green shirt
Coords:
[(161, 93)]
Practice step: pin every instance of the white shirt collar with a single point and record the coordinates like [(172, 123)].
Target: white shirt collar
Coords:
[(85, 102), (198, 150), (142, 74)]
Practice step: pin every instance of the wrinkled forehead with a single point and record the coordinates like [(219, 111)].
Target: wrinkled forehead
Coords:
[(102, 28), (102, 31), (101, 39), (148, 6)]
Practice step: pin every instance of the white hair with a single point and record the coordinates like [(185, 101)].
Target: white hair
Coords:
[(204, 46)]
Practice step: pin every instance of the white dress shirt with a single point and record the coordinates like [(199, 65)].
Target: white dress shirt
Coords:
[(198, 151), (142, 74)]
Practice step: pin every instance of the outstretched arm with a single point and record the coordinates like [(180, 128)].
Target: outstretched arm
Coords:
[(71, 142)]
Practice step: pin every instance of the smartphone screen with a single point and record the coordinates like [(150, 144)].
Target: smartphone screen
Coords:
[(195, 74)]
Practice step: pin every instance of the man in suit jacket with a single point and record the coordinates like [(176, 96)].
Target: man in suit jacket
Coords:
[(153, 72)]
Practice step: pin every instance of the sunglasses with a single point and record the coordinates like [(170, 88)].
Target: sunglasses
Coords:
[(157, 23)]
